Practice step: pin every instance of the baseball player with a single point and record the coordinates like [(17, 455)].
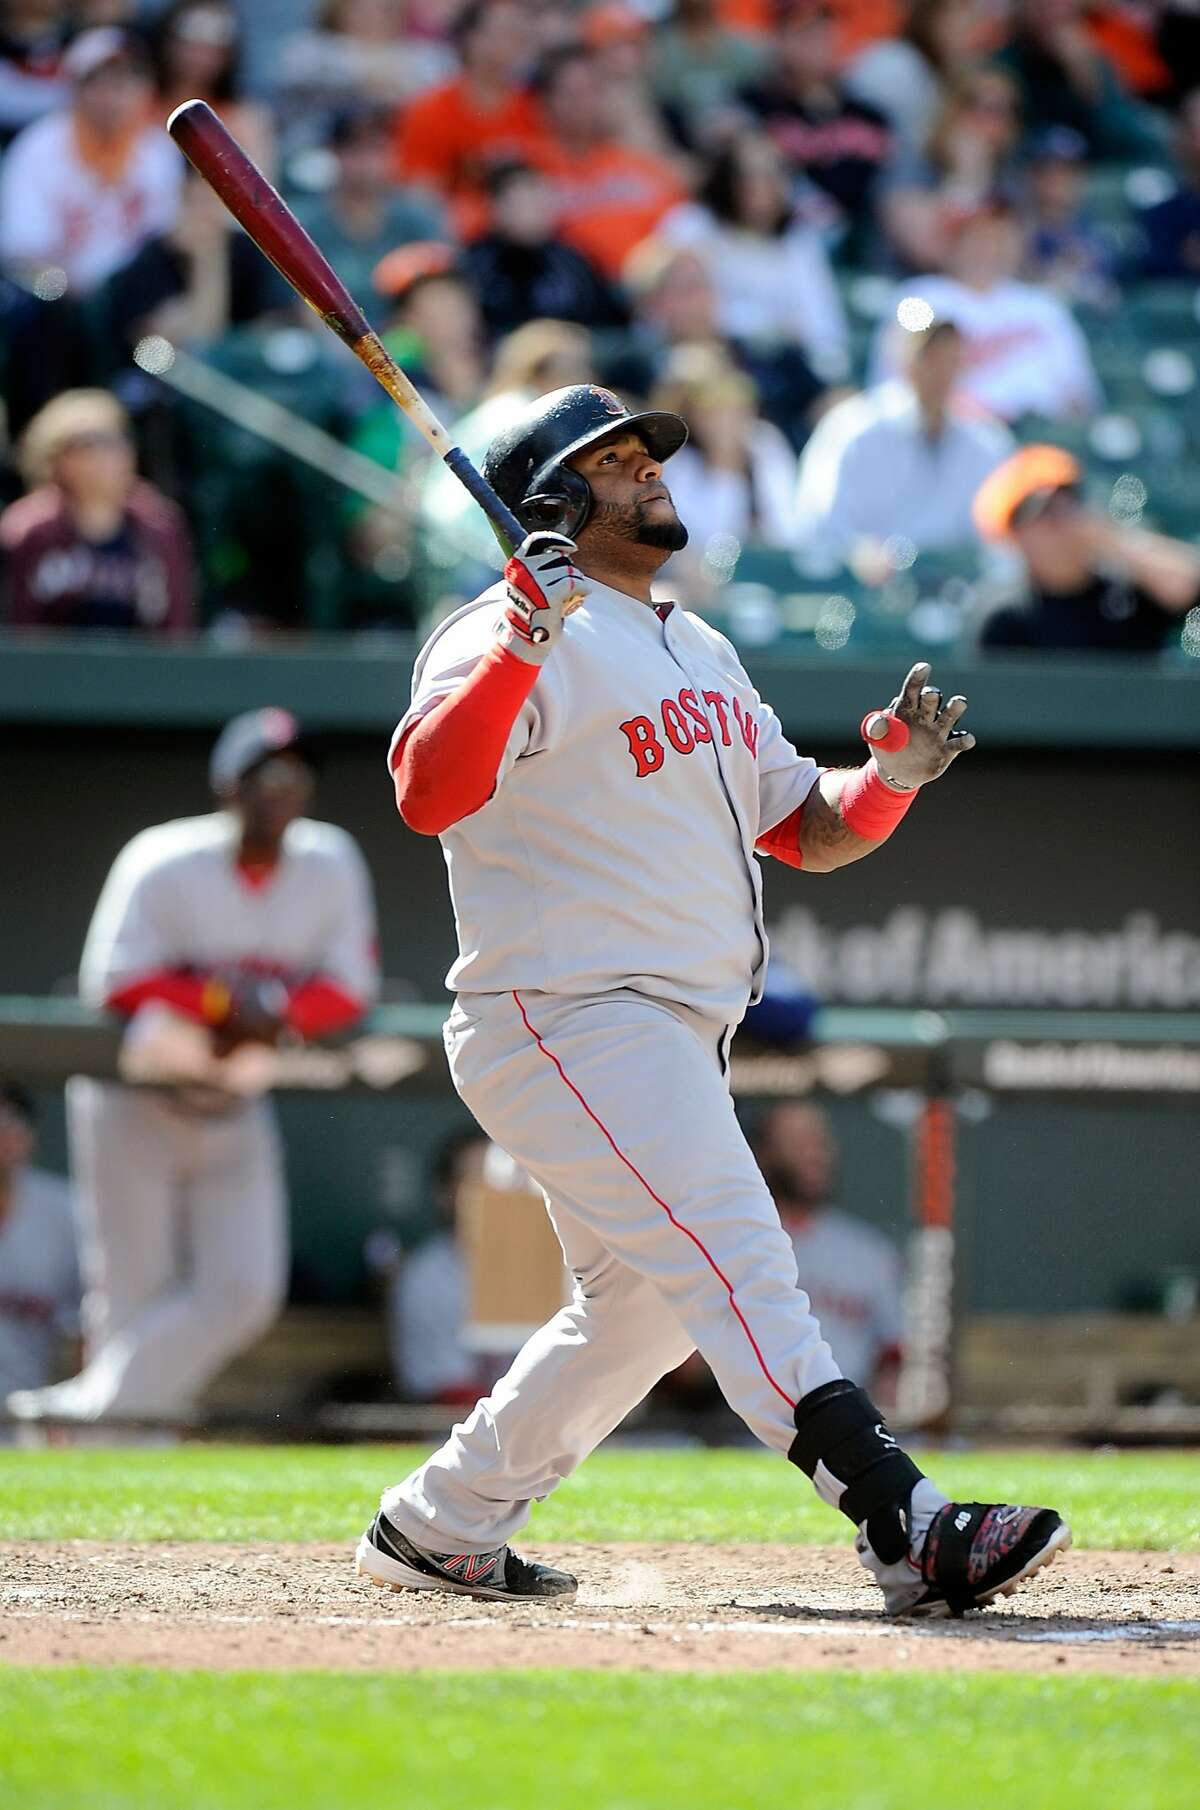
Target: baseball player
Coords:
[(39, 1274), (258, 924), (602, 773)]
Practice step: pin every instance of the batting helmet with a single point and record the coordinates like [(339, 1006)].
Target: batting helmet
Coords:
[(527, 466)]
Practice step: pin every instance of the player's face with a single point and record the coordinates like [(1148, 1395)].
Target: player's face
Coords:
[(630, 500), (16, 1139), (274, 795), (796, 1157)]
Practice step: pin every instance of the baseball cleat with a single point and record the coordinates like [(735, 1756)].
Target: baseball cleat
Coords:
[(394, 1563), (977, 1551)]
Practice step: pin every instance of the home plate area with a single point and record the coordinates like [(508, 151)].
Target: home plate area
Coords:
[(656, 1607)]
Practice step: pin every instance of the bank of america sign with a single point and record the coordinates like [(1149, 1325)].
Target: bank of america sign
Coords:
[(952, 957)]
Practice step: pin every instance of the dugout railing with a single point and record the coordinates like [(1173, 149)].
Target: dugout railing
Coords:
[(1097, 1375)]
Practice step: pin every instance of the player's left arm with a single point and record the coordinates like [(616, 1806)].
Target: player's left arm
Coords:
[(850, 813), (346, 978)]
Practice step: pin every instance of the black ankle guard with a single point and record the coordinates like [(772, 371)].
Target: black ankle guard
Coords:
[(839, 1427)]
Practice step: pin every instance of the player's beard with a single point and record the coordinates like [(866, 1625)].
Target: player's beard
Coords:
[(633, 523)]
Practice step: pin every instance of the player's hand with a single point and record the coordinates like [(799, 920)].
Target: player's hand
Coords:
[(543, 587), (934, 739)]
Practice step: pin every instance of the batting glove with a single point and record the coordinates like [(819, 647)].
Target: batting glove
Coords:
[(933, 740), (543, 587)]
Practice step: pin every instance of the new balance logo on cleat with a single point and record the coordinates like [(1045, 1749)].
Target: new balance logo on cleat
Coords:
[(471, 1567)]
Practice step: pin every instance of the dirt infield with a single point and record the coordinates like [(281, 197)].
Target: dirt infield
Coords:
[(665, 1607)]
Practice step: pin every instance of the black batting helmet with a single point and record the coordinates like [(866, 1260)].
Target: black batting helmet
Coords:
[(526, 464)]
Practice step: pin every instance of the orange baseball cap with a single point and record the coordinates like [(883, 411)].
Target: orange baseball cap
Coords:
[(400, 270), (1034, 468), (610, 22)]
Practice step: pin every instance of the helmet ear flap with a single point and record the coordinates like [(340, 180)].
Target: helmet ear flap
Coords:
[(562, 504)]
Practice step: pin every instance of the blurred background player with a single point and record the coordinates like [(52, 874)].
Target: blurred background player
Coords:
[(850, 1271), (251, 925), (39, 1272), (427, 1287)]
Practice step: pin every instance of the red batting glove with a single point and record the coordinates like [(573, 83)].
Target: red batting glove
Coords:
[(543, 587)]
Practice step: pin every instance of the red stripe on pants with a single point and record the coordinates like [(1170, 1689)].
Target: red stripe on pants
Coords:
[(711, 1261)]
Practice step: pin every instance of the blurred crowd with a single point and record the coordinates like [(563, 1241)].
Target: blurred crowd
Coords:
[(921, 276)]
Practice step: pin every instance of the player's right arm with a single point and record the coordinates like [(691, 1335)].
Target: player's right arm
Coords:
[(447, 758), (130, 955)]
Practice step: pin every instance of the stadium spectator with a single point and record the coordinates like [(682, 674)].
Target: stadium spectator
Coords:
[(93, 546), (215, 938), (427, 1289), (1025, 352), (700, 64), (448, 136), (902, 460), (39, 1269), (1094, 585), (970, 152), (1066, 81), (522, 270), (355, 53), (196, 48), (33, 34), (840, 144), (191, 284), (623, 42), (542, 355), (435, 331), (675, 302), (736, 477), (609, 197), (83, 187), (771, 271), (850, 1271), (908, 78), (434, 324), (1065, 252), (1170, 230), (364, 214)]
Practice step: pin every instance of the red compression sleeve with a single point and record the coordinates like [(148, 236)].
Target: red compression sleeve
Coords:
[(870, 807), (447, 763), (784, 840), (319, 1007), (200, 996)]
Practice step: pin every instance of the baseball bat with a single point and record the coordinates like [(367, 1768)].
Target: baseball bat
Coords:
[(267, 219)]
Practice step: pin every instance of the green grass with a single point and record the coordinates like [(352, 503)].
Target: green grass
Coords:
[(1113, 1499), (140, 1740)]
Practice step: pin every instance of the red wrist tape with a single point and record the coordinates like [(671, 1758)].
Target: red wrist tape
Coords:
[(870, 807)]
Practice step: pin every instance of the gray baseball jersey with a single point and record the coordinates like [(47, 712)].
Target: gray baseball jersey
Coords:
[(175, 898), (617, 850), (852, 1275), (39, 1278)]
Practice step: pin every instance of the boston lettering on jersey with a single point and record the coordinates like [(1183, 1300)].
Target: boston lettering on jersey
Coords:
[(685, 723)]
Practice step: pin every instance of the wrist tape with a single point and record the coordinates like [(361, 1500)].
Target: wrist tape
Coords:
[(870, 807)]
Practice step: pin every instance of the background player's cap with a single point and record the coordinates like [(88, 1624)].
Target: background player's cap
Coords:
[(248, 740), (1032, 474)]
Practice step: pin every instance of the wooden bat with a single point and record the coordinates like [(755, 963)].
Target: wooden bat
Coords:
[(270, 222)]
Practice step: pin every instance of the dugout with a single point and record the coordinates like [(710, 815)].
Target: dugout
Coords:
[(1052, 874)]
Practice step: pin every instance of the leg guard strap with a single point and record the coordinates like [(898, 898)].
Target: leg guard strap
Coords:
[(839, 1428)]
